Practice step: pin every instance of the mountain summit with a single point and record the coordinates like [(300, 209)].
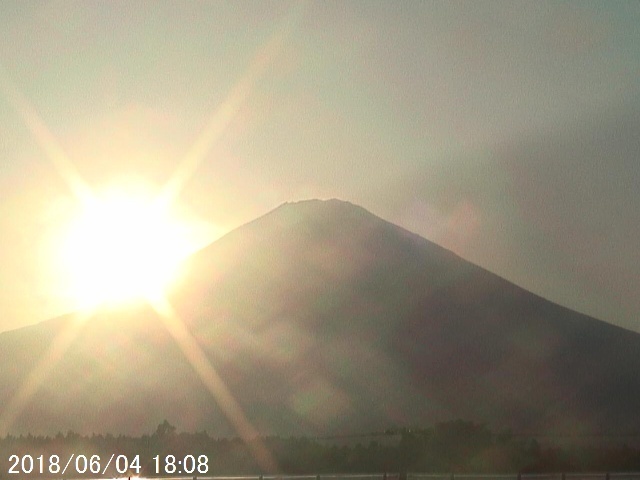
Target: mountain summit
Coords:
[(322, 318)]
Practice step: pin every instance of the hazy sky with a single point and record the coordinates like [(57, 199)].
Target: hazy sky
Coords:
[(506, 131)]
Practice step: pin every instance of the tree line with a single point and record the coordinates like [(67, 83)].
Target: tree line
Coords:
[(457, 446)]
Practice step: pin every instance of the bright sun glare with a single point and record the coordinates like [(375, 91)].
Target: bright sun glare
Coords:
[(123, 246)]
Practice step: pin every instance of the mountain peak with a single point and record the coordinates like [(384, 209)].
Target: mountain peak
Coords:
[(321, 210), (342, 215)]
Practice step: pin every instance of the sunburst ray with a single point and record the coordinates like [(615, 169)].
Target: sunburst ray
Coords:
[(31, 384), (214, 384), (45, 139), (227, 110)]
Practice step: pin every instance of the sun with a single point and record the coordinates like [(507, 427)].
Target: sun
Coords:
[(123, 245)]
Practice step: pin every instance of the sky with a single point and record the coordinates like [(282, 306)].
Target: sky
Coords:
[(506, 131)]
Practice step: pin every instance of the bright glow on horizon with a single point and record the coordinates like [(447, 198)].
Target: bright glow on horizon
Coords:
[(123, 246)]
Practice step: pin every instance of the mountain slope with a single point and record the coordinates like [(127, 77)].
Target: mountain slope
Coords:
[(322, 318)]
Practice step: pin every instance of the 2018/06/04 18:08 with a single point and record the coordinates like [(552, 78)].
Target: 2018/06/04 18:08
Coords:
[(82, 464)]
